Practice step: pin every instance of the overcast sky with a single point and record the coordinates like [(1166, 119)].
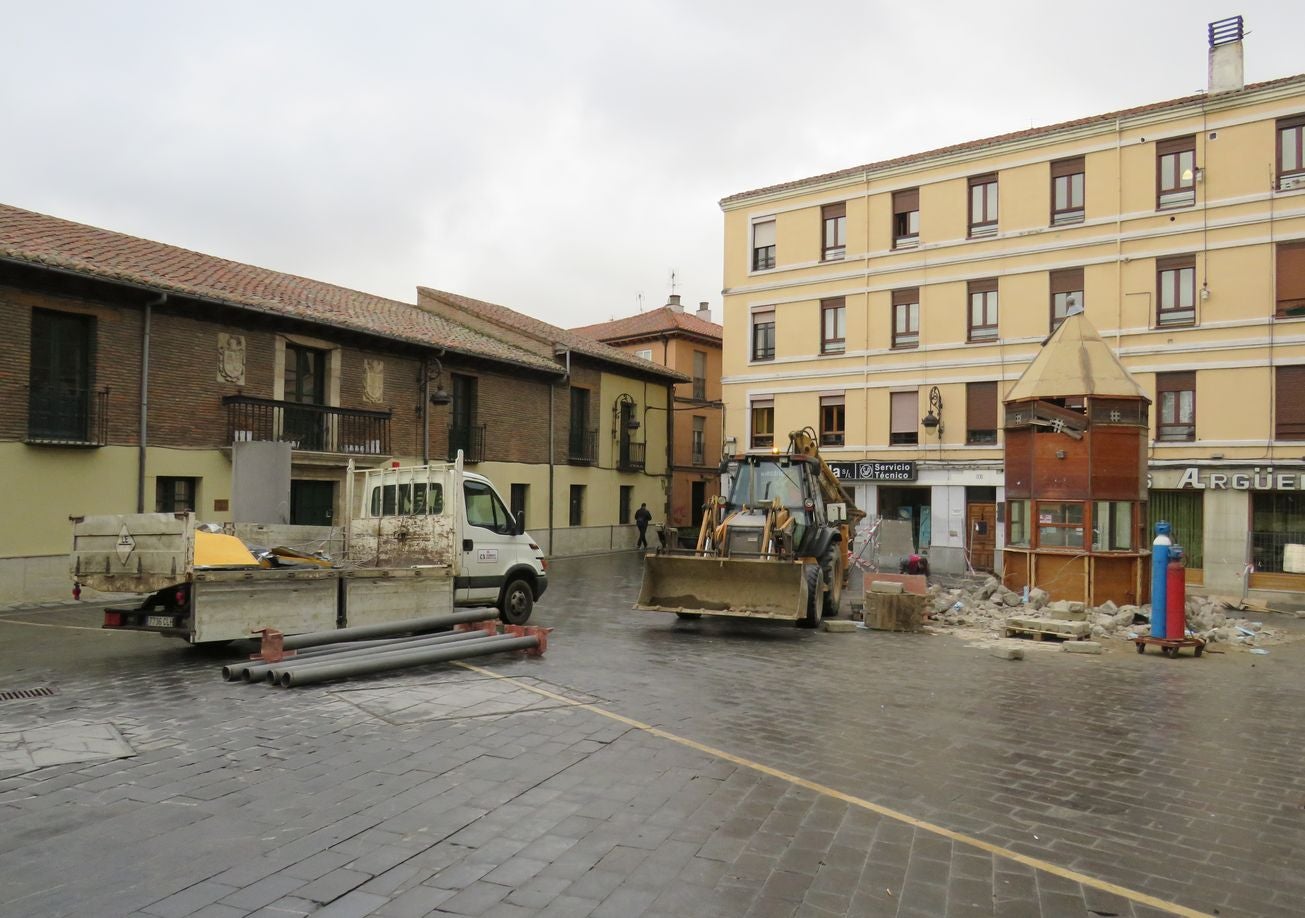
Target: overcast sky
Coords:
[(559, 158)]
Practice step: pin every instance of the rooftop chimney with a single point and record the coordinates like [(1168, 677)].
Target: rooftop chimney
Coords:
[(673, 303), (704, 311), (1227, 73)]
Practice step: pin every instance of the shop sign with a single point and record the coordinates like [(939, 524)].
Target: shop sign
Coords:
[(873, 471), (1258, 479)]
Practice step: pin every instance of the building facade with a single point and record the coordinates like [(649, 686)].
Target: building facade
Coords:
[(133, 372), (892, 305), (691, 345)]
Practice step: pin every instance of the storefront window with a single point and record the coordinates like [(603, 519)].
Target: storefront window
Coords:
[(1277, 524), (1017, 511), (1060, 524), (1184, 511), (1112, 525)]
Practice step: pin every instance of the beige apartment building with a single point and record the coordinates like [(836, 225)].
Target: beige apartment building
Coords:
[(892, 306)]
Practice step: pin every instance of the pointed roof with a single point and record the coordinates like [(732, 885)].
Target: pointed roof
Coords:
[(653, 324), (1075, 361)]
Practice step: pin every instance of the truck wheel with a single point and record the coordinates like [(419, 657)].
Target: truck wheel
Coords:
[(812, 618), (831, 597), (516, 603)]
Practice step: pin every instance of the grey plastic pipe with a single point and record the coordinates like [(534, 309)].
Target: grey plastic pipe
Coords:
[(275, 671), (254, 671), (410, 625), (380, 663)]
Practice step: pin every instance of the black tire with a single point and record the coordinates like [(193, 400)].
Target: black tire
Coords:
[(516, 602), (831, 597), (812, 618)]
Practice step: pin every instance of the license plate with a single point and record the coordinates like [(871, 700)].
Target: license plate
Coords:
[(161, 621)]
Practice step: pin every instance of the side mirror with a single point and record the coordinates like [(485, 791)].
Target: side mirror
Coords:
[(520, 523)]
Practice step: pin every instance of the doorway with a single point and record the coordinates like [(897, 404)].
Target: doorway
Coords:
[(981, 528), (913, 505), (312, 503)]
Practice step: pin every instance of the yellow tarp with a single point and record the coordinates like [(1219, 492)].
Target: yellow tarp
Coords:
[(213, 549)]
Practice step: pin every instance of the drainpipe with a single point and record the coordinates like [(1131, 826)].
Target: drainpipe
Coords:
[(145, 399), (552, 457)]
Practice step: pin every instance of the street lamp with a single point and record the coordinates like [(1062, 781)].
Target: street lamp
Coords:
[(933, 420)]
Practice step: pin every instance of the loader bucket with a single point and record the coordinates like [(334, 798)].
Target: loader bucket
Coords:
[(743, 587)]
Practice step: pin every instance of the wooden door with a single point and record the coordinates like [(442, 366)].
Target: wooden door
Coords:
[(981, 534)]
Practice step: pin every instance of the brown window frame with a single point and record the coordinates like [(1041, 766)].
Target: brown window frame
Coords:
[(1290, 271), (1064, 283), (833, 344), (981, 402), (1178, 314), (987, 226), (833, 420), (1169, 428), (904, 437), (758, 409), (835, 214), (1293, 125), (700, 375), (1288, 406), (903, 301), (980, 331), (1063, 172), (1180, 194), (762, 349), (906, 217), (763, 256)]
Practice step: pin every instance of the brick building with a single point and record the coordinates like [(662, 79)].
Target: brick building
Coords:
[(133, 370)]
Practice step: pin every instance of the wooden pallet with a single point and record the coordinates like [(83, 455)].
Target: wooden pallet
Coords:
[(1040, 635)]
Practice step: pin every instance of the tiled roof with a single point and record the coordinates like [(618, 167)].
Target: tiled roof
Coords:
[(1075, 361), (38, 239), (549, 336), (650, 324), (998, 140)]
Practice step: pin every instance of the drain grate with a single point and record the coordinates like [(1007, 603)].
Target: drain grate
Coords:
[(16, 694)]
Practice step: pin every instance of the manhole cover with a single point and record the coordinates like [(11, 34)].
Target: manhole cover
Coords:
[(16, 694)]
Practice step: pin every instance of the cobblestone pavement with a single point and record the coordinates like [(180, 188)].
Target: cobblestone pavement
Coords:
[(648, 766)]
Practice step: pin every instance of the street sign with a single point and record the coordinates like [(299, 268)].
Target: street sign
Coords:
[(873, 470)]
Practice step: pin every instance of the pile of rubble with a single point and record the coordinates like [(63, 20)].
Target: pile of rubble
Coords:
[(983, 609)]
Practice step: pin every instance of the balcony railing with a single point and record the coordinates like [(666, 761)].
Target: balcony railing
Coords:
[(630, 456), (315, 428), (471, 440), (583, 447), (58, 416)]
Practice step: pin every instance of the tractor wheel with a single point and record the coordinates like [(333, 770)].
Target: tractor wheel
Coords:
[(831, 597), (812, 618)]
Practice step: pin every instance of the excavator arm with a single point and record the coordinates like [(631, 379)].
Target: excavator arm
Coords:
[(804, 443)]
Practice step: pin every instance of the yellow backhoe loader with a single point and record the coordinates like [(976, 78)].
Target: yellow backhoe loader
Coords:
[(775, 548)]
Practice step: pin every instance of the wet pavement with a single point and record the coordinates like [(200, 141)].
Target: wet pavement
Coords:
[(648, 766)]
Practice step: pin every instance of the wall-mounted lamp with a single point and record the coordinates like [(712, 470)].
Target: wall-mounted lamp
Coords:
[(933, 420), (1205, 291), (619, 410), (434, 374), (729, 446)]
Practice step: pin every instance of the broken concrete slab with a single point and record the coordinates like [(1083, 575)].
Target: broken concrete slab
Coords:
[(1081, 647), (838, 625)]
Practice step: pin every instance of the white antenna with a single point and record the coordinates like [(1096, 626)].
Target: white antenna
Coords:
[(672, 280), (638, 298)]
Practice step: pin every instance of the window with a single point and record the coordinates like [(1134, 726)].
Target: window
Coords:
[(763, 335), (582, 445), (305, 384), (59, 381), (1291, 152), (644, 352), (1066, 294), (464, 433), (1277, 520), (484, 509), (983, 310), (832, 420), (763, 424), (700, 374), (983, 205), (1017, 515), (763, 245), (1185, 513), (699, 442), (175, 495), (1175, 395), (577, 505), (1060, 524), (1112, 525), (1175, 167), (1176, 294), (906, 218), (833, 325), (981, 412), (904, 419), (519, 496), (1291, 278), (421, 499), (627, 498), (906, 317), (1289, 407), (833, 218), (1067, 191)]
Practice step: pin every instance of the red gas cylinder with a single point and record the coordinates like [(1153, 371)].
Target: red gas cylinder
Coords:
[(1175, 597)]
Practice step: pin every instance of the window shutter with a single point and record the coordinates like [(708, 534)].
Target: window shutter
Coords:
[(905, 407), (830, 211), (981, 406), (1291, 279), (1289, 406), (1068, 281), (1176, 145), (1176, 382), (906, 201), (763, 234), (906, 297), (1067, 167)]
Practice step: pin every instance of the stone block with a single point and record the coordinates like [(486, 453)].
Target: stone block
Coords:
[(884, 586), (1009, 653), (838, 625), (1081, 647), (894, 612)]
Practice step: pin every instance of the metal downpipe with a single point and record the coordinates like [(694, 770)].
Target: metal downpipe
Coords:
[(386, 662), (430, 623)]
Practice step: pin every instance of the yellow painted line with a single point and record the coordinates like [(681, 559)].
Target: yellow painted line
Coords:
[(1082, 879), (6, 621)]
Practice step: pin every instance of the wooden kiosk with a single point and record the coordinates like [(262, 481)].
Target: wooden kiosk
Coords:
[(1077, 428)]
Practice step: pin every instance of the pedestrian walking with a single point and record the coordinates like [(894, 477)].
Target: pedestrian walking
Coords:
[(642, 517)]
